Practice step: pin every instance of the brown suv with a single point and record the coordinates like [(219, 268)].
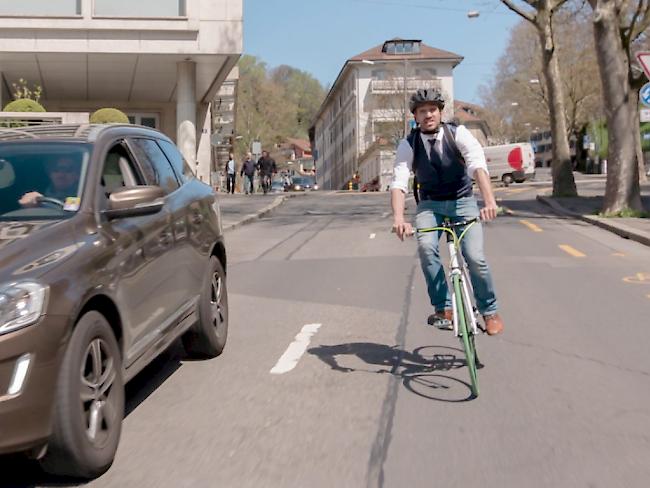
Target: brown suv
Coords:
[(110, 249)]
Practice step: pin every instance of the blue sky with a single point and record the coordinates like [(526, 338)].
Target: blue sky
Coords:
[(318, 36)]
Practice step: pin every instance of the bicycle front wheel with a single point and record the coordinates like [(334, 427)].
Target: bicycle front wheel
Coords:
[(466, 336)]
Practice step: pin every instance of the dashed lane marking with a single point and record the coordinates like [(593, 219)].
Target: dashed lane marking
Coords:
[(619, 254), (572, 251), (296, 349), (372, 236), (531, 226)]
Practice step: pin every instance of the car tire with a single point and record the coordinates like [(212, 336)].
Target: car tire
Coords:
[(89, 403), (207, 337), (507, 179)]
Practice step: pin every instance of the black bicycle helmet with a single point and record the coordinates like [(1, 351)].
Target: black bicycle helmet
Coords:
[(426, 95)]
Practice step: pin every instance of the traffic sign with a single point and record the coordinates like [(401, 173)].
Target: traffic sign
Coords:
[(644, 95), (644, 115), (644, 61)]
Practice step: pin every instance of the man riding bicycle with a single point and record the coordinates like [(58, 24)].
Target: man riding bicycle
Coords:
[(444, 160), (267, 168)]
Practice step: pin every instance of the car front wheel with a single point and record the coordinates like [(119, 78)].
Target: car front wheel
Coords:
[(207, 337), (89, 402)]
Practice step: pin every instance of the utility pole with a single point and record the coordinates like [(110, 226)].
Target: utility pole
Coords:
[(406, 122)]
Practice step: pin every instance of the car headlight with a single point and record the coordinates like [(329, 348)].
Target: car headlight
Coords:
[(21, 304), (297, 187), (315, 187)]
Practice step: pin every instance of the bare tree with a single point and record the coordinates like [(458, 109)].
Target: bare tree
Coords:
[(618, 24), (541, 17)]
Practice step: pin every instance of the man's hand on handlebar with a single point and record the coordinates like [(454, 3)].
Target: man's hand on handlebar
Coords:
[(402, 229), (489, 211)]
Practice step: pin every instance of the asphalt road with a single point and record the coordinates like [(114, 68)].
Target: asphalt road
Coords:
[(380, 399)]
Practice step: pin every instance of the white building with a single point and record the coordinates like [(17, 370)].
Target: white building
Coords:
[(159, 61), (368, 103)]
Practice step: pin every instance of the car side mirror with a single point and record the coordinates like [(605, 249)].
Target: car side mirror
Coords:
[(134, 201)]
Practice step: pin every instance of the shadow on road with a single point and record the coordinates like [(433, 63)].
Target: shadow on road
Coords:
[(19, 472), (419, 370)]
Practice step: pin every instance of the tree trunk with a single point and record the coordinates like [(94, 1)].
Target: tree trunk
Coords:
[(563, 182), (622, 190)]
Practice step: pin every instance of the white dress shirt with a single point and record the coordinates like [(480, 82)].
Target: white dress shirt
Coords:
[(467, 144)]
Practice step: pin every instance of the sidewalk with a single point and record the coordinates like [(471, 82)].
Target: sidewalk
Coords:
[(587, 206), (240, 209)]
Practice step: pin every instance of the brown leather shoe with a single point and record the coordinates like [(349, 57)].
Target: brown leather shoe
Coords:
[(442, 320), (493, 324)]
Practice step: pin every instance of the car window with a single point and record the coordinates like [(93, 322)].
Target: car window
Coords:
[(180, 165), (118, 171), (42, 179), (155, 165)]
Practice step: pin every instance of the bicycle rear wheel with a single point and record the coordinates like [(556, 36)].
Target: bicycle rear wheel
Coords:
[(466, 336)]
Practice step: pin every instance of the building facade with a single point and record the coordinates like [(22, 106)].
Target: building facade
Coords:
[(368, 102), (160, 61)]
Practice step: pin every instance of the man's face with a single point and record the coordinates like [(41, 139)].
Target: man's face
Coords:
[(428, 116), (64, 174)]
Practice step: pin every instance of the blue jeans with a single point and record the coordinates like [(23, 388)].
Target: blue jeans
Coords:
[(431, 214)]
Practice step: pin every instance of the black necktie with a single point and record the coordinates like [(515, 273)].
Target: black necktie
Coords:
[(432, 141)]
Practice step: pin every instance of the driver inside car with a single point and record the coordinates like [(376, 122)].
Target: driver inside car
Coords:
[(64, 174)]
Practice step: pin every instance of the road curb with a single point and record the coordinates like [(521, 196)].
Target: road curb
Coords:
[(254, 216), (617, 228)]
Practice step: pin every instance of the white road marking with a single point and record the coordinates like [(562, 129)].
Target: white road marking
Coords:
[(296, 349), (372, 236)]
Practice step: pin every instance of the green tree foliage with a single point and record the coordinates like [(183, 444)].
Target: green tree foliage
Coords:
[(109, 116), (274, 104)]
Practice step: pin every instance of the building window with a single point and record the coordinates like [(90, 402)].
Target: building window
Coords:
[(39, 8), (401, 47), (129, 8), (148, 120), (426, 72)]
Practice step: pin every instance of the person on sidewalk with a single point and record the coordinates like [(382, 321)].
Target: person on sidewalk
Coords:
[(445, 158), (267, 168), (248, 169), (231, 173)]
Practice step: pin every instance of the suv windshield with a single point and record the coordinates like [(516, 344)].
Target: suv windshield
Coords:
[(41, 180), (303, 180)]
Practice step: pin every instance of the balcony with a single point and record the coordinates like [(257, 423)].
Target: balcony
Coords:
[(396, 85)]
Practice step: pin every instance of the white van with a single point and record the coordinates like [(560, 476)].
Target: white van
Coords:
[(511, 162)]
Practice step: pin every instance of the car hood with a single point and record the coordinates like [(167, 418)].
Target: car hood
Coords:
[(30, 248)]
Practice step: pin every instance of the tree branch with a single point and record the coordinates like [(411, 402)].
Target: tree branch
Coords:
[(529, 16)]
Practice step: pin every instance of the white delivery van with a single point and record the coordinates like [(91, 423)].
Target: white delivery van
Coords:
[(511, 162)]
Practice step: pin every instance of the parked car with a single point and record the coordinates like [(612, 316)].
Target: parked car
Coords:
[(278, 186), (511, 162), (110, 249), (303, 183)]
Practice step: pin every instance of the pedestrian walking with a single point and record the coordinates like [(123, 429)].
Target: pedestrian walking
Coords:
[(248, 170), (231, 173), (267, 168)]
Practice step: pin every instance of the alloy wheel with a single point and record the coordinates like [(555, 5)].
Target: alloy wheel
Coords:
[(98, 373)]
